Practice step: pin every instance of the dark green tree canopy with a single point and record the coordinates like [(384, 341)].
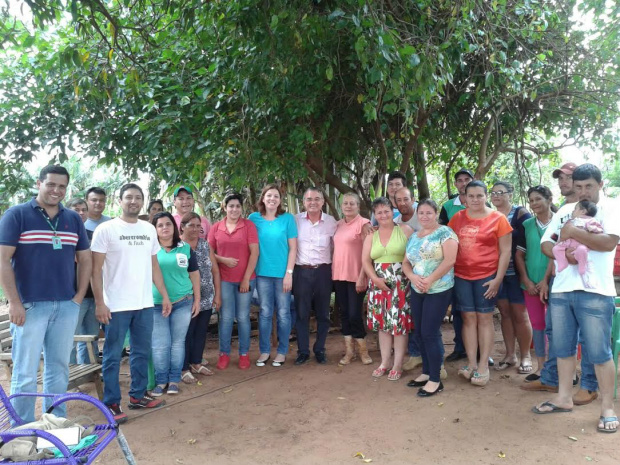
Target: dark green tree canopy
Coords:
[(231, 94)]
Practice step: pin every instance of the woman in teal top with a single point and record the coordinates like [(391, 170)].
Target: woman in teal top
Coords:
[(388, 309), (179, 269), (429, 265), (277, 242), (532, 266)]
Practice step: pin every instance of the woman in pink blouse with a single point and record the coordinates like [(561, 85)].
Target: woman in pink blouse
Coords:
[(350, 281)]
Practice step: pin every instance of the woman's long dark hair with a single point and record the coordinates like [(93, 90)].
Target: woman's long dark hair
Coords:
[(176, 237)]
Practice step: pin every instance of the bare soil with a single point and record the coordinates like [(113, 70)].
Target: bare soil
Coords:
[(326, 414)]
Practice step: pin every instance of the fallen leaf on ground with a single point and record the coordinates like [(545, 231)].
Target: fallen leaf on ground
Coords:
[(501, 455), (191, 441), (366, 460), (341, 398), (228, 390), (589, 459), (572, 438), (199, 383), (360, 455), (440, 404), (456, 420)]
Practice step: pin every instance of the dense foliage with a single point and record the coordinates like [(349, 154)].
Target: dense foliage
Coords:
[(229, 94)]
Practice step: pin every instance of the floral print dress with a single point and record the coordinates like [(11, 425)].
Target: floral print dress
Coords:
[(389, 310)]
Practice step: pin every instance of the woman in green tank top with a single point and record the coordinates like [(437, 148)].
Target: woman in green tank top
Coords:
[(388, 305)]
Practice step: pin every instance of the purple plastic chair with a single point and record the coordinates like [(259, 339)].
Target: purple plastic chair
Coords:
[(105, 432)]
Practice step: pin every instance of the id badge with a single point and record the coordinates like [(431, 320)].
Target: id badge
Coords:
[(56, 243)]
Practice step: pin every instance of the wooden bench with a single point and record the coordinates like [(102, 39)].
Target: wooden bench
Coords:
[(78, 374)]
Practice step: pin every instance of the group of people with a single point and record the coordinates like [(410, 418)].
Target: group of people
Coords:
[(159, 281)]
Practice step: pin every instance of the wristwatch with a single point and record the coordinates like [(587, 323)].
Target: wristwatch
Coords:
[(289, 271)]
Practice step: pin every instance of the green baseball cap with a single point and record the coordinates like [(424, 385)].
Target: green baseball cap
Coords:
[(183, 188)]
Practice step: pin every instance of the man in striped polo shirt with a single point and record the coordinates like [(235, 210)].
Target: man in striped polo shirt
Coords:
[(40, 242)]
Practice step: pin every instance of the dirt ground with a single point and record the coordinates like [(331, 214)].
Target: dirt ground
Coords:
[(325, 414)]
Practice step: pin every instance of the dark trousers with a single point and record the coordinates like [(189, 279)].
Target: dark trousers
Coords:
[(428, 312), (196, 338), (312, 288), (350, 303), (457, 323)]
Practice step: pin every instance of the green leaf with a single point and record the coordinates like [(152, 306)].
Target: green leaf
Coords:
[(414, 60), (488, 79), (185, 100), (274, 21), (336, 14), (329, 73)]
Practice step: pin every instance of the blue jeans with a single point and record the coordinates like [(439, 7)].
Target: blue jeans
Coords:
[(457, 324), (585, 313), (169, 340), (413, 344), (270, 295), (196, 338), (470, 295), (235, 304), (549, 373), (87, 324), (140, 326), (428, 312), (49, 327)]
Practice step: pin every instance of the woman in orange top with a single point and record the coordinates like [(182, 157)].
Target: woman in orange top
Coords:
[(481, 263)]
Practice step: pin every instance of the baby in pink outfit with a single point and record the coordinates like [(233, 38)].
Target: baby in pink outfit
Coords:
[(582, 218)]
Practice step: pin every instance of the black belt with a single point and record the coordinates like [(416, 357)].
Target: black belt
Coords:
[(312, 267)]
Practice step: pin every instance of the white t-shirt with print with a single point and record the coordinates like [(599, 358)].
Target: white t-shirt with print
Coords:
[(601, 263), (127, 269)]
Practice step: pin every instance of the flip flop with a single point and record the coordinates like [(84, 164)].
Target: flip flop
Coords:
[(532, 377), (525, 367), (379, 372), (606, 420), (203, 370), (501, 366), (188, 378), (554, 408)]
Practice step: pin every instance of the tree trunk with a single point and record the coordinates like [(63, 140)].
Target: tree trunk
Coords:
[(419, 167)]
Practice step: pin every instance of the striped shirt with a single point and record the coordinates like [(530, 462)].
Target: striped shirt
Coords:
[(41, 271)]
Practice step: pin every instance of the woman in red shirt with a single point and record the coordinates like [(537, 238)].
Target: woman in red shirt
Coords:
[(484, 252)]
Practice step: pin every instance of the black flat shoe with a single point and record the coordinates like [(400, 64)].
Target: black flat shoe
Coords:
[(423, 393), (414, 383), (321, 358), (301, 359), (455, 356)]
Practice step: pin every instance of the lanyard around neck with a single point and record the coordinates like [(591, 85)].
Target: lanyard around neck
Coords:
[(54, 226)]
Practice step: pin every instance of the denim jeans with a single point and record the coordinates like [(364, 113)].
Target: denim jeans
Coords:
[(87, 324), (140, 326), (470, 295), (457, 324), (413, 344), (428, 312), (270, 295), (549, 373), (196, 338), (49, 327), (169, 340), (235, 304), (585, 313)]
